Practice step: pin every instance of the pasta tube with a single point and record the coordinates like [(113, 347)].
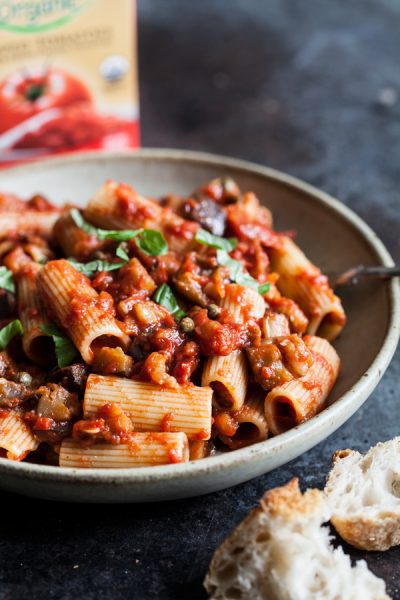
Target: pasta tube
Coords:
[(77, 307), (274, 325), (72, 239), (151, 407), (118, 206), (16, 437), (300, 280), (30, 220), (243, 302), (199, 449), (37, 345), (245, 426), (144, 450), (228, 375), (295, 401)]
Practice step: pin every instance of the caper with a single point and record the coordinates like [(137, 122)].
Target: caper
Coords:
[(24, 378), (213, 311), (186, 325)]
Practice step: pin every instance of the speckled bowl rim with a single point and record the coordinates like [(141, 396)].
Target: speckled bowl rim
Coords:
[(329, 419)]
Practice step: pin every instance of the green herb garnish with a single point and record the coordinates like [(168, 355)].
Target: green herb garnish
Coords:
[(121, 253), (165, 297), (7, 280), (64, 348), (238, 274), (215, 241), (9, 331), (264, 288), (150, 241), (92, 267)]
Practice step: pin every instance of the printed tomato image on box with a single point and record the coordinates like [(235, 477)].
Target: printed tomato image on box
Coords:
[(68, 77)]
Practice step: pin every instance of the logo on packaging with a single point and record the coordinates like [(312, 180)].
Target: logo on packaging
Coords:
[(31, 16)]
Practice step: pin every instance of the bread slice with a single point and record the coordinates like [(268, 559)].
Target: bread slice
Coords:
[(281, 552), (364, 495)]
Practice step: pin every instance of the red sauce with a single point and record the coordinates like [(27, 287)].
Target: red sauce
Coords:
[(82, 302), (183, 229), (167, 420), (215, 338), (176, 455), (225, 423), (111, 425), (202, 435), (129, 205)]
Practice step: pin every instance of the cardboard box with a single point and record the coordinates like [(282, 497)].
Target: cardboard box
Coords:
[(68, 77)]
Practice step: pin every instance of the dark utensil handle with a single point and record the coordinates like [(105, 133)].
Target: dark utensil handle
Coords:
[(352, 276)]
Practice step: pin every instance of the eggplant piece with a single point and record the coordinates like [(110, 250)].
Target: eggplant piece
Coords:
[(55, 434), (207, 213), (72, 378), (278, 360), (189, 287), (55, 402), (267, 364), (11, 393)]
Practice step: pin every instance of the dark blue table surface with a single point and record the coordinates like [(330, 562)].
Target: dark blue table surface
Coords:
[(311, 88)]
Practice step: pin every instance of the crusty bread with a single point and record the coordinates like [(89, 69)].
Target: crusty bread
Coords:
[(281, 552), (364, 495)]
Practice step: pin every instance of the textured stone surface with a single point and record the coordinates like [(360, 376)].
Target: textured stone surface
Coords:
[(307, 87)]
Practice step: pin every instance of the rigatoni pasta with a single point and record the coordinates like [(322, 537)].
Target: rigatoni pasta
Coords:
[(78, 308), (300, 280), (37, 344), (140, 332), (16, 438), (186, 409), (143, 450), (245, 426), (298, 400), (73, 240), (32, 221), (228, 375)]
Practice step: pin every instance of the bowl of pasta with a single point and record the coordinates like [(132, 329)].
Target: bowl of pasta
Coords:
[(167, 324)]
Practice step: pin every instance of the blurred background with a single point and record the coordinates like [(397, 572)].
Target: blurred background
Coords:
[(311, 88)]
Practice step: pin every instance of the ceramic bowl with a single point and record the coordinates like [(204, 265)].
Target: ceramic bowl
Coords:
[(331, 235)]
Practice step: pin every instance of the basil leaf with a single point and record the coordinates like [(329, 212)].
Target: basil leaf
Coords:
[(264, 288), (234, 266), (6, 280), (238, 274), (165, 297), (93, 266), (215, 241), (9, 331), (64, 348), (103, 234), (122, 253), (152, 242)]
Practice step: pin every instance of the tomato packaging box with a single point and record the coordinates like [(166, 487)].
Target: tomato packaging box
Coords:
[(68, 77)]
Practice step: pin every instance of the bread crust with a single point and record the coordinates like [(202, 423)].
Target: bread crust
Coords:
[(369, 534), (361, 531), (287, 502)]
